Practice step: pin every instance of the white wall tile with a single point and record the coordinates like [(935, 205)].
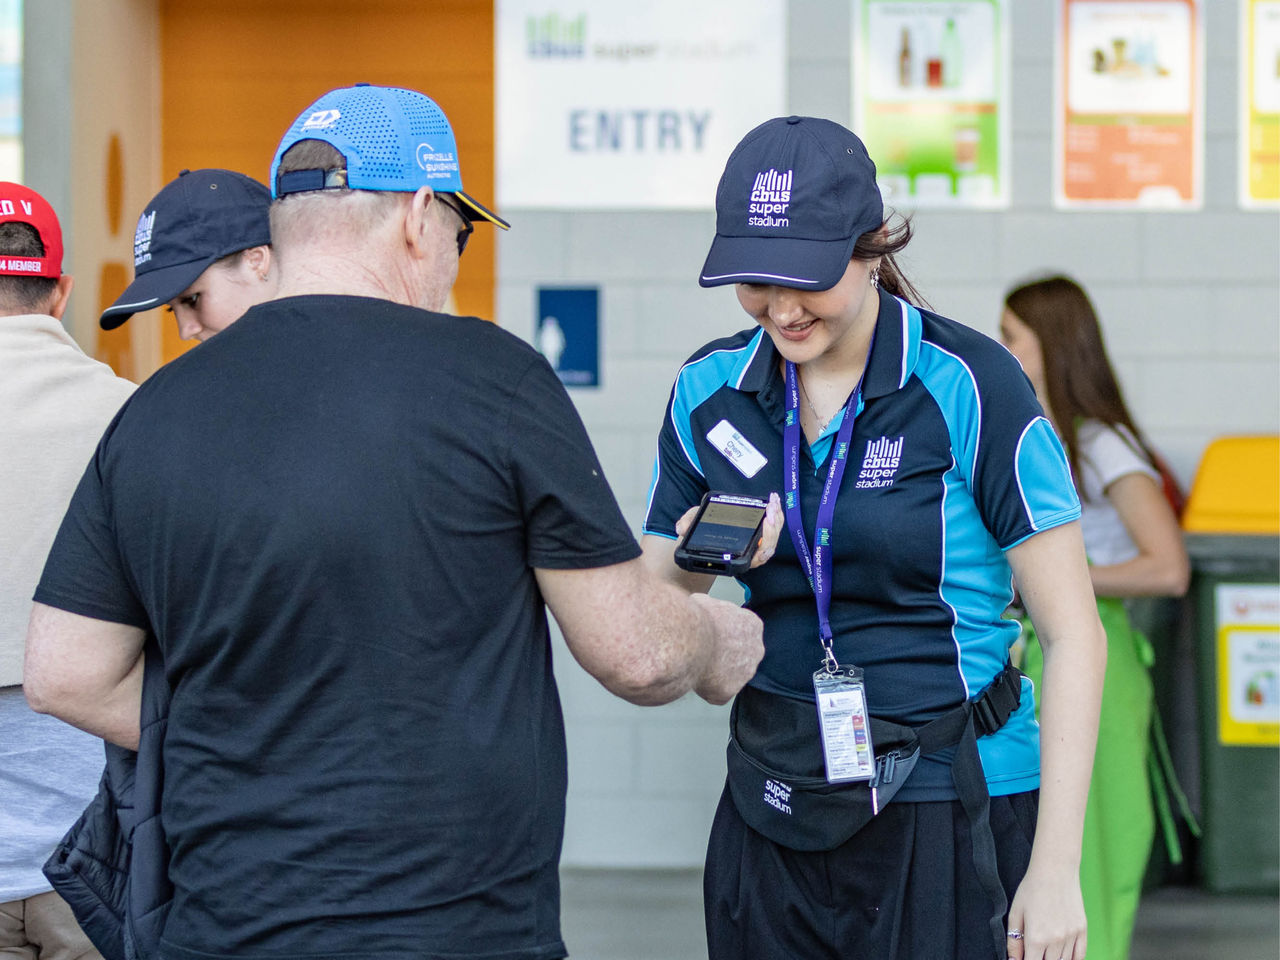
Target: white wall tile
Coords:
[(1145, 321), (820, 89), (629, 830), (1032, 26), (603, 757), (1210, 247), (535, 246), (682, 757), (952, 246), (819, 30), (1103, 245)]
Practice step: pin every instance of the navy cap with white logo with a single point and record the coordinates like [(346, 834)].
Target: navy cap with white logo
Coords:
[(393, 140), (795, 195), (196, 220)]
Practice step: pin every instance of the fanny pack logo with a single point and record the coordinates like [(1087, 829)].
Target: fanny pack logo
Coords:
[(778, 795), (880, 463), (770, 198)]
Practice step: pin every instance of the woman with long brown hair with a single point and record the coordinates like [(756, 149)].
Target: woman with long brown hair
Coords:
[(1135, 549)]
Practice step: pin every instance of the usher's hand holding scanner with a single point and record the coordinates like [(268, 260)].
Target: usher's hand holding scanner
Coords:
[(724, 535)]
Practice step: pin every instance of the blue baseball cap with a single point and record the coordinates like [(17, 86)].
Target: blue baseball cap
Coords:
[(196, 220), (796, 194), (393, 140)]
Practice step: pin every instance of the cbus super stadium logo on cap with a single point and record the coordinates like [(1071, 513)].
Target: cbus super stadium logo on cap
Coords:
[(770, 197), (142, 238), (321, 119)]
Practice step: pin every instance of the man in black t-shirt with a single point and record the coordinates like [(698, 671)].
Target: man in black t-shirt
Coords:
[(340, 519)]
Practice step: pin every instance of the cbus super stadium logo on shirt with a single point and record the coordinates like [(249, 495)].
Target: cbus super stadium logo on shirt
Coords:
[(770, 197), (142, 238), (879, 463)]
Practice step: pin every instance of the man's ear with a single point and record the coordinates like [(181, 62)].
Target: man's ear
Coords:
[(417, 221), (61, 294)]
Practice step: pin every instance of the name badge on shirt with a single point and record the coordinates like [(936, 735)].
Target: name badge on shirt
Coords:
[(737, 449), (846, 732)]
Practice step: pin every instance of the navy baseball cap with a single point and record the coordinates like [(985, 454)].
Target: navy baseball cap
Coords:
[(196, 220), (393, 140), (795, 195)]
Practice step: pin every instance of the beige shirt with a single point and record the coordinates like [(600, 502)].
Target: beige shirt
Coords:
[(54, 404)]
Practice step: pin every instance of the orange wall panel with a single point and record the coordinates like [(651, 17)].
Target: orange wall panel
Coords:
[(235, 74)]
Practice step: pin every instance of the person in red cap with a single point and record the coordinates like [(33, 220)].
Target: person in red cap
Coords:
[(57, 401)]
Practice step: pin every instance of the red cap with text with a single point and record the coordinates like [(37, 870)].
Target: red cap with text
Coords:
[(24, 205)]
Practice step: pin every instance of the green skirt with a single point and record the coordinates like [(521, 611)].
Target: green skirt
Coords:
[(1130, 783)]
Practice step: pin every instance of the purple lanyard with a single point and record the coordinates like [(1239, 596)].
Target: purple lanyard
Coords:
[(817, 564)]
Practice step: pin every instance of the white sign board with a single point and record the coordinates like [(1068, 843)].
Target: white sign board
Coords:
[(605, 105)]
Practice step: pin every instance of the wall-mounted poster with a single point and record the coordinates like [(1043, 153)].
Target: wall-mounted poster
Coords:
[(604, 105), (930, 96), (1260, 103), (1247, 617), (1129, 92)]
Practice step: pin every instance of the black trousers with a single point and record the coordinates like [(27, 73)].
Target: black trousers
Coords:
[(902, 888)]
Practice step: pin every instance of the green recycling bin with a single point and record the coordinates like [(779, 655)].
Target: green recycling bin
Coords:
[(1234, 544)]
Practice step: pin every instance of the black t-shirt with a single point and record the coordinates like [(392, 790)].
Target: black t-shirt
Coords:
[(329, 516)]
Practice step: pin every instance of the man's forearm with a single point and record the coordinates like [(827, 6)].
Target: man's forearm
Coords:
[(86, 672)]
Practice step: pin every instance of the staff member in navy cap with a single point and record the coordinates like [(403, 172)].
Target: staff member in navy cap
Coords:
[(203, 248), (885, 768)]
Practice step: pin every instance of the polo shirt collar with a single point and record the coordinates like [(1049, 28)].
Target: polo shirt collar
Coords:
[(894, 353), (896, 348)]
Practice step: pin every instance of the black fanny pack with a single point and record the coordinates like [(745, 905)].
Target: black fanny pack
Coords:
[(789, 799)]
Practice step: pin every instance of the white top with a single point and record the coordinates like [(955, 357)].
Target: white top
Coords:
[(1106, 455)]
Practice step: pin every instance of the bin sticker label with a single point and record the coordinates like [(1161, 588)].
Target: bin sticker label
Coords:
[(1248, 622)]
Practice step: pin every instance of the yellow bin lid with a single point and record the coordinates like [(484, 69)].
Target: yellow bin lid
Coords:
[(1237, 488)]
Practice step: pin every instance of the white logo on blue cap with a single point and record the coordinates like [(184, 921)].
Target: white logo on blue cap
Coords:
[(434, 163), (142, 238), (321, 119), (770, 197)]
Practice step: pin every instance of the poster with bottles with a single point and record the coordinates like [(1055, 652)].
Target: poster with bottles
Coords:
[(1260, 104), (930, 96), (1129, 104)]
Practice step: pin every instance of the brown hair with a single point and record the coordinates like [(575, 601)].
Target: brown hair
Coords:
[(1078, 375), (884, 242), (23, 294)]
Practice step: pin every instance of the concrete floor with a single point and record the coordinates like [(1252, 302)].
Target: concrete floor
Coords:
[(657, 915)]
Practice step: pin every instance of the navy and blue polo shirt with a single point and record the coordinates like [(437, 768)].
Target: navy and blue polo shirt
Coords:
[(952, 462)]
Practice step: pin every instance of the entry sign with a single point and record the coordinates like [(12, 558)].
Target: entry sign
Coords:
[(604, 105), (568, 333), (1248, 627)]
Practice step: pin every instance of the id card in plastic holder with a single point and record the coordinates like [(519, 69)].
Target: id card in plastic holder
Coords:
[(846, 729)]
